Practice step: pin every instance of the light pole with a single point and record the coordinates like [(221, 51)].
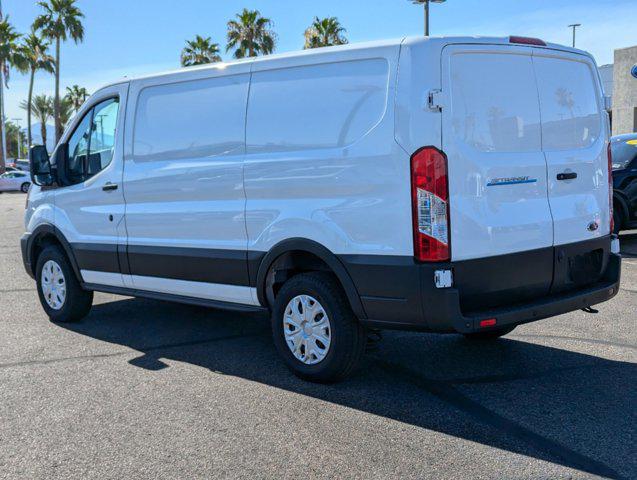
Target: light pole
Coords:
[(3, 138), (574, 26), (17, 122), (426, 3)]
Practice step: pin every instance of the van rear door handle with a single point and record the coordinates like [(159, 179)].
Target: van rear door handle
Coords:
[(109, 186), (566, 176)]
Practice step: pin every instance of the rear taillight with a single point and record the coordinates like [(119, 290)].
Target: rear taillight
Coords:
[(527, 40), (430, 205), (610, 188)]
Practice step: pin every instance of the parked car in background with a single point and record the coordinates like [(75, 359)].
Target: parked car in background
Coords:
[(22, 165), (624, 155), (15, 181)]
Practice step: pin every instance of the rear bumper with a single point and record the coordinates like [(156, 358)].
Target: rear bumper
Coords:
[(402, 295), (545, 307)]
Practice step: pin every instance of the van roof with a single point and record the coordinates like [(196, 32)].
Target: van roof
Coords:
[(439, 42)]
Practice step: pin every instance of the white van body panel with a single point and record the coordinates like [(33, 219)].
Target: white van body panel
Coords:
[(416, 125), (321, 161), (185, 148), (40, 209), (574, 139)]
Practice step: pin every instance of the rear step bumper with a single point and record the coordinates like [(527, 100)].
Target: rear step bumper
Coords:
[(399, 294), (549, 306)]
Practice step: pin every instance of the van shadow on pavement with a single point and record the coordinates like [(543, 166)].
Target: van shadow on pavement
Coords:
[(556, 405)]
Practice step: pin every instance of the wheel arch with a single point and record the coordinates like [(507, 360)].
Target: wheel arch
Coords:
[(47, 234), (302, 246)]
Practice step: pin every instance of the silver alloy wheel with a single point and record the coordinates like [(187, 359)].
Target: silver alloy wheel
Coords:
[(53, 285), (307, 329)]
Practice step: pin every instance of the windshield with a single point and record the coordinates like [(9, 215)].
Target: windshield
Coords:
[(623, 151)]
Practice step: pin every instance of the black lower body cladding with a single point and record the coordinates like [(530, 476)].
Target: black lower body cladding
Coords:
[(399, 293), (389, 291)]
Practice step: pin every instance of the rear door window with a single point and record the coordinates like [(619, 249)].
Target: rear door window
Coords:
[(568, 98), (495, 106)]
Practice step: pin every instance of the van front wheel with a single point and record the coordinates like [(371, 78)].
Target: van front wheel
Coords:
[(314, 329), (61, 295)]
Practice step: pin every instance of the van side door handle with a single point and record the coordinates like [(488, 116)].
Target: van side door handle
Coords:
[(566, 176), (109, 187)]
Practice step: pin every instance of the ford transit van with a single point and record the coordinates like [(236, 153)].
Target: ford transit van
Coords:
[(452, 185)]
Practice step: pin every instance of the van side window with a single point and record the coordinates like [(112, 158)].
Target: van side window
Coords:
[(90, 147), (316, 106), (102, 141), (78, 150)]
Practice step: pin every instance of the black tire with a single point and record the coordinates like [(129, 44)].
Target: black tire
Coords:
[(347, 336), (618, 219), (24, 188), (489, 334), (77, 303)]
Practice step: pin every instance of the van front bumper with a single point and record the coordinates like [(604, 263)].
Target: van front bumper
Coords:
[(402, 295)]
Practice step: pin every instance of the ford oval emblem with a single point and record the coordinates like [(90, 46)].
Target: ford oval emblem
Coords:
[(633, 71)]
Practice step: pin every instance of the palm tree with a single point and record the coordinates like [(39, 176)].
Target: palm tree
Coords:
[(76, 96), (42, 108), (15, 140), (324, 32), (66, 111), (10, 55), (61, 20), (199, 52), (35, 51), (250, 35)]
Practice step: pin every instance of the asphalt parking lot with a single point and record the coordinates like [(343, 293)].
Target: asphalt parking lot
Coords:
[(148, 389)]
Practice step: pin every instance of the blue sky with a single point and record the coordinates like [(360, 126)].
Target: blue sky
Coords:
[(132, 37)]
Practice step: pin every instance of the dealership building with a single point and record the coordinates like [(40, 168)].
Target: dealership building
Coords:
[(620, 82)]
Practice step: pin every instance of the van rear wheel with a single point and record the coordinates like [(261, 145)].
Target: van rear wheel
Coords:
[(314, 329), (61, 295), (490, 334)]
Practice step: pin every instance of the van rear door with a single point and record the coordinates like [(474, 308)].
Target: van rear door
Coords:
[(501, 224), (574, 141), (491, 128)]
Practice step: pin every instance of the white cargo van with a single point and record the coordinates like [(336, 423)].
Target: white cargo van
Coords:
[(456, 185)]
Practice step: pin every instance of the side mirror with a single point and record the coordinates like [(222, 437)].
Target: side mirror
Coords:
[(40, 166)]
